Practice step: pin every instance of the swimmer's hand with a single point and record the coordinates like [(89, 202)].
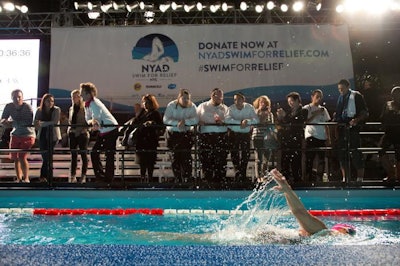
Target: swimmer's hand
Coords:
[(283, 185), (262, 182)]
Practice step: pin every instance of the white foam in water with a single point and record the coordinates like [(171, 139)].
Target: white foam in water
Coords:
[(262, 220)]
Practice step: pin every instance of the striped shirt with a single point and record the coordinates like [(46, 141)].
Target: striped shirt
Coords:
[(22, 117)]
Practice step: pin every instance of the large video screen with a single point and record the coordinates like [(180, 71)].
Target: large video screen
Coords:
[(19, 69)]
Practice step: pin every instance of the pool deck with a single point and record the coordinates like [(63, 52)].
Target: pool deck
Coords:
[(199, 255)]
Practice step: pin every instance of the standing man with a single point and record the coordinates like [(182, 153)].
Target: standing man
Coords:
[(291, 136), (212, 139), (351, 112), (316, 135), (241, 116), (180, 117), (23, 133), (101, 119)]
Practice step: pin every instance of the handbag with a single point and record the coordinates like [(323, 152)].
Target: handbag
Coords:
[(132, 138)]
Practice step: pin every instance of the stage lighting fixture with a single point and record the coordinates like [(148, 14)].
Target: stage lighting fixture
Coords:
[(117, 5), (284, 8), (214, 8), (93, 15), (175, 6), (104, 8), (164, 7), (1, 9), (23, 9), (199, 6), (142, 5), (270, 5), (8, 6), (259, 8), (149, 16), (188, 7), (298, 6), (318, 6), (129, 8), (243, 6)]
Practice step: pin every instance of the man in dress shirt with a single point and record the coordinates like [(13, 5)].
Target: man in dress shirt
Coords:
[(213, 147), (241, 116)]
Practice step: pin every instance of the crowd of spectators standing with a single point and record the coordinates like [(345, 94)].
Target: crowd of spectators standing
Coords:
[(280, 137)]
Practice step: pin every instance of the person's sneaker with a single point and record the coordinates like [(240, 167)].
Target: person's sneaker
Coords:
[(72, 179), (359, 179), (83, 179)]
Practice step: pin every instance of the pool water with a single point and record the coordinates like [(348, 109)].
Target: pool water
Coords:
[(275, 227)]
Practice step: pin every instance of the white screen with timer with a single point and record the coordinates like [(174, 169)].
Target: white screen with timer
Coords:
[(19, 69)]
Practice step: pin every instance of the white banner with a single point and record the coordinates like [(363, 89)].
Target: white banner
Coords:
[(127, 62)]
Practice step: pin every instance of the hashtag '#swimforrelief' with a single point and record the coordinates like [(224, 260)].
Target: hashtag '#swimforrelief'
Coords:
[(201, 68)]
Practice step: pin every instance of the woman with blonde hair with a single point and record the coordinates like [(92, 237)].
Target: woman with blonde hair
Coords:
[(264, 134), (47, 117), (78, 135)]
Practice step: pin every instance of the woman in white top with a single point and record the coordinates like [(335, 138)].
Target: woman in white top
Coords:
[(180, 117), (47, 117), (316, 135)]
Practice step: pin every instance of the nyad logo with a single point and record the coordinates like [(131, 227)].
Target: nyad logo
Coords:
[(158, 50)]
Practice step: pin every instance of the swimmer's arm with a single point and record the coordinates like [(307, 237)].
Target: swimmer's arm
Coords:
[(308, 222)]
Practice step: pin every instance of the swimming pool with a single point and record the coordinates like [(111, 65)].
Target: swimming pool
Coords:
[(200, 234)]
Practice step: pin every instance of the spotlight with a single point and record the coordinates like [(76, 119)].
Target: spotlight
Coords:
[(214, 8), (175, 6), (8, 6), (224, 6), (105, 8), (149, 16), (90, 5), (76, 5), (129, 8), (1, 9), (199, 6), (93, 15), (142, 5), (298, 6), (284, 8), (244, 6), (270, 5), (117, 6), (23, 8), (318, 6), (259, 8), (188, 8), (164, 7)]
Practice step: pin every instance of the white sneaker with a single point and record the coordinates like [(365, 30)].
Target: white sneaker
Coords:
[(72, 179), (83, 179), (359, 179)]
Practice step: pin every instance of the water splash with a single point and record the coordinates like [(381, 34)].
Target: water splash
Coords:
[(264, 213)]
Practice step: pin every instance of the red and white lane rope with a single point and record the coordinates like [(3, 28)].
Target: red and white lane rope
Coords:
[(395, 213)]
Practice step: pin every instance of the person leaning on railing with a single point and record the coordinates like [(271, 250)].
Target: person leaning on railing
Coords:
[(180, 117), (213, 144), (22, 135), (47, 117), (101, 119)]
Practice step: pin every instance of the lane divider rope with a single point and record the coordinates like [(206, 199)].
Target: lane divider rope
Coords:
[(157, 211)]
